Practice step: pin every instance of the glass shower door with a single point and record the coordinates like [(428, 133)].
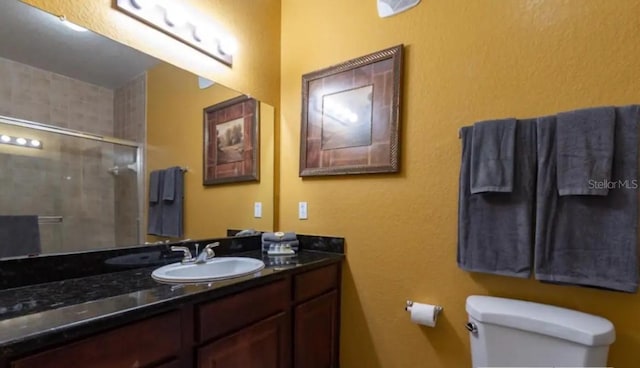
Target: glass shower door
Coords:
[(84, 191)]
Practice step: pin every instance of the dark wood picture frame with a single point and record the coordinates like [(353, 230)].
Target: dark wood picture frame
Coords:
[(231, 151), (351, 116)]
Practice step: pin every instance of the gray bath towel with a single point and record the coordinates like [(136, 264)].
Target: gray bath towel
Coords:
[(173, 210), (584, 150), (492, 156), (19, 236), (154, 186), (495, 230), (154, 220), (589, 240)]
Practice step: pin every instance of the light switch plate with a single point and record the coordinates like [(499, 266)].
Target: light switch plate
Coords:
[(257, 210), (302, 211)]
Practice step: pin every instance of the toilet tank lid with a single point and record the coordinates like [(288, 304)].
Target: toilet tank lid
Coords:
[(583, 328)]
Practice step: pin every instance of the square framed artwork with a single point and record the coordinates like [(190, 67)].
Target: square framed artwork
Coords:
[(231, 142), (351, 115)]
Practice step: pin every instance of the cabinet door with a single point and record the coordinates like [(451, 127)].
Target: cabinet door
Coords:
[(316, 332), (140, 344), (265, 344)]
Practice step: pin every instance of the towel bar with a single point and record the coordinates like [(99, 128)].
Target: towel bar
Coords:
[(49, 219)]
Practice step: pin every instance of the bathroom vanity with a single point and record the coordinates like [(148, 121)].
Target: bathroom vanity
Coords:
[(286, 315)]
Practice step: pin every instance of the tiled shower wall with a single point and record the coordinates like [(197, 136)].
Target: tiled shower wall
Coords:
[(129, 123), (34, 94), (74, 180)]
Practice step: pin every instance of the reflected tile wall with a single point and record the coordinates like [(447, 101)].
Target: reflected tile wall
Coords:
[(73, 181), (129, 107)]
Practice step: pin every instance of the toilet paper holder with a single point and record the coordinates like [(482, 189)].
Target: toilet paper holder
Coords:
[(410, 303)]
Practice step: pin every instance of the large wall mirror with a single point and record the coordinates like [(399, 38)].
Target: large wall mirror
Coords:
[(84, 119)]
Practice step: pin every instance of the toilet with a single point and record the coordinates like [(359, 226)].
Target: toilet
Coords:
[(517, 333)]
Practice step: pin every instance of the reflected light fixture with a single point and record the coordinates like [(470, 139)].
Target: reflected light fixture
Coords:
[(73, 26), (190, 27), (20, 141)]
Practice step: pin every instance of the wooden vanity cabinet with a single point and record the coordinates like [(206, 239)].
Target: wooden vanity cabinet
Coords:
[(148, 343), (249, 329), (316, 318), (300, 329), (291, 322)]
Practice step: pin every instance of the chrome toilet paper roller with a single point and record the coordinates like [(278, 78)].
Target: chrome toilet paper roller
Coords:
[(423, 314)]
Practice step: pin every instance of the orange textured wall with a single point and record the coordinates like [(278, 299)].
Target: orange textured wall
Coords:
[(465, 61)]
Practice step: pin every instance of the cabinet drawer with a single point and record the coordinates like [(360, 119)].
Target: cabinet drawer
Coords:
[(313, 283), (234, 312), (136, 345)]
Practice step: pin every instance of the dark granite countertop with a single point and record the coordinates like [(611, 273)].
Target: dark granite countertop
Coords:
[(33, 317)]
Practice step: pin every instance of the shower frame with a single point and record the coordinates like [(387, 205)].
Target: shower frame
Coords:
[(139, 165)]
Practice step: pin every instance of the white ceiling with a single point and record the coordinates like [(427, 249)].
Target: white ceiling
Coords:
[(31, 36)]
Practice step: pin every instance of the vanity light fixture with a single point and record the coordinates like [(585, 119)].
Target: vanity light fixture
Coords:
[(183, 24), (141, 4), (73, 26), (20, 141)]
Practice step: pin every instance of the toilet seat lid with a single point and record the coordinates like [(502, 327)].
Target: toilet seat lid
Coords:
[(563, 323)]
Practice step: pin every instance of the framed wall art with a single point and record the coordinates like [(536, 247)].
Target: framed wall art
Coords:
[(351, 115), (231, 142)]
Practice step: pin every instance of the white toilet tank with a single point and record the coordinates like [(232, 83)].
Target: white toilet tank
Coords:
[(516, 333)]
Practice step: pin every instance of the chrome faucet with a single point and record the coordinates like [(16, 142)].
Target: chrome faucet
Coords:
[(207, 253), (188, 258)]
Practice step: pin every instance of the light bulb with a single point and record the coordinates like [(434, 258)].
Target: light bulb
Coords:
[(5, 138), (228, 45), (174, 16), (35, 143), (198, 33), (72, 26), (21, 141), (140, 4)]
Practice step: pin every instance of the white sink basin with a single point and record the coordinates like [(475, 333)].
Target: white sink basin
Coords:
[(215, 269)]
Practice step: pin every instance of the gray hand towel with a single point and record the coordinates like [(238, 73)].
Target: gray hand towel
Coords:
[(271, 237), (173, 210), (154, 218), (495, 230), (169, 186), (492, 156), (589, 240), (585, 151), (19, 236)]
